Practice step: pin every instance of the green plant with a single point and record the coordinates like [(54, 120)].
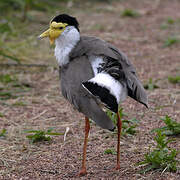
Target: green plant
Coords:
[(110, 151), (1, 114), (39, 135), (25, 5), (150, 85), (113, 116), (128, 127), (171, 128), (170, 41), (11, 88), (6, 55), (129, 13), (19, 103), (6, 95), (6, 27), (6, 78), (161, 158), (3, 132), (164, 26), (168, 23), (174, 80), (170, 20)]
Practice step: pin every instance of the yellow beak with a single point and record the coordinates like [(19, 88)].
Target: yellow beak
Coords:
[(47, 34), (54, 31)]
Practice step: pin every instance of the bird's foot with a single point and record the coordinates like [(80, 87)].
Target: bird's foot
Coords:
[(82, 172), (117, 167)]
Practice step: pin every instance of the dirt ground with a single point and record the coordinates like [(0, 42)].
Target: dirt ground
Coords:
[(41, 106)]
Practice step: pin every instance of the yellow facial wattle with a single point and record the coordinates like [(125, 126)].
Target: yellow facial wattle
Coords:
[(54, 31)]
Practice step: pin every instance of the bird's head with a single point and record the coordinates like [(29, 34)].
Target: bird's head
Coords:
[(58, 25)]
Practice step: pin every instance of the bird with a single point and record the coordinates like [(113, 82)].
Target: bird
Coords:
[(94, 75)]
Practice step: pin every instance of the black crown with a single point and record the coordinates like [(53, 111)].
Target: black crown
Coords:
[(64, 18)]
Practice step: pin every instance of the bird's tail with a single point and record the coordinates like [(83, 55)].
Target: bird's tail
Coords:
[(136, 89), (91, 109)]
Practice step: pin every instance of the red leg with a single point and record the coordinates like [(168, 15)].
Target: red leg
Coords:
[(83, 168), (119, 125)]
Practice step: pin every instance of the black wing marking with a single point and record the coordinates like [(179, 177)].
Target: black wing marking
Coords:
[(113, 68)]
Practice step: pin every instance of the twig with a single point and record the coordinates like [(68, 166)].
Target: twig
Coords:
[(67, 130), (164, 170), (9, 56), (49, 171), (39, 115)]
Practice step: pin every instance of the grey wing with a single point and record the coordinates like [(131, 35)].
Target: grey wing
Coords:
[(134, 85), (93, 46), (72, 76)]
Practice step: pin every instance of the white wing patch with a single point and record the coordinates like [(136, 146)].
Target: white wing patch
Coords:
[(115, 87), (95, 63)]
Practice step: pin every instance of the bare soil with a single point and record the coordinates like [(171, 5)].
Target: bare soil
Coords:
[(142, 39)]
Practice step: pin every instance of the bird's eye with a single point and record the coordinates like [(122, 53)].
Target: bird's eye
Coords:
[(60, 28)]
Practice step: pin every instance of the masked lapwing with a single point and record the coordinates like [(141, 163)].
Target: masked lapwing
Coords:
[(92, 73)]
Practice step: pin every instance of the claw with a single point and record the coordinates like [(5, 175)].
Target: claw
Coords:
[(82, 172), (117, 166)]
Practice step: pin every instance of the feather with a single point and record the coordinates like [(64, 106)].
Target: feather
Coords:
[(83, 67), (72, 76), (117, 64)]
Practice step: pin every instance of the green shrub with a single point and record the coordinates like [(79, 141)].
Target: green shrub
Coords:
[(161, 158), (3, 132), (129, 13), (128, 126), (39, 135), (174, 80), (110, 151), (171, 41), (151, 85), (171, 128)]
